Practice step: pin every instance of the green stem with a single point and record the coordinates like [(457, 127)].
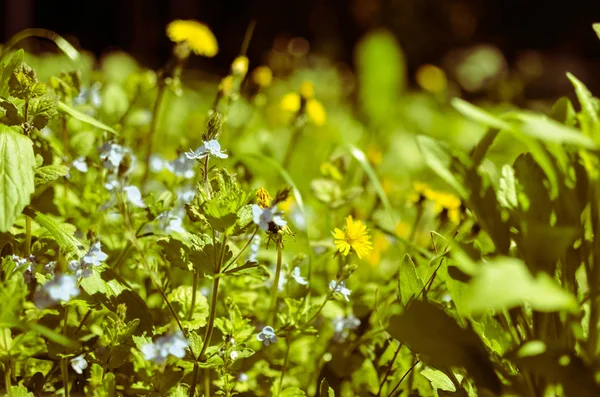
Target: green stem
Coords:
[(285, 363), (403, 377), (194, 292), (7, 381), (65, 362), (290, 149), (27, 237), (389, 370), (275, 286), (153, 124), (192, 392), (231, 262)]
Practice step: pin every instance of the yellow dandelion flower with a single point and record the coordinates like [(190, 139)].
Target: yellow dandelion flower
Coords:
[(196, 35), (262, 76), (239, 66), (420, 192), (354, 236), (316, 112), (307, 89), (264, 198), (380, 245), (374, 154), (448, 203), (290, 102)]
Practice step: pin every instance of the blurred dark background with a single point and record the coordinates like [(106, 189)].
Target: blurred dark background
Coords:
[(559, 33)]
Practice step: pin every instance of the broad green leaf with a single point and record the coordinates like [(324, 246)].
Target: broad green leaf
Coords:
[(381, 74), (504, 283), (49, 173), (7, 71), (438, 158), (360, 156), (176, 252), (63, 107), (19, 391), (409, 283), (564, 112), (17, 165), (438, 379), (181, 299), (65, 239), (292, 392), (12, 294), (428, 331), (41, 110), (507, 190), (548, 130), (479, 115)]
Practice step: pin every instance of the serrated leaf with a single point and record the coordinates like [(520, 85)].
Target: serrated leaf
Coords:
[(176, 252), (49, 173), (19, 391), (63, 107), (7, 71), (41, 110), (65, 240), (504, 283), (409, 283), (325, 390), (181, 299), (17, 164), (589, 108), (438, 379), (22, 81)]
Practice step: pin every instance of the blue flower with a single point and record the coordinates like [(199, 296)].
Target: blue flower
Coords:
[(95, 256), (343, 325), (263, 216), (210, 148), (134, 196), (254, 247), (79, 364), (267, 336), (299, 279), (173, 344), (61, 289), (340, 287)]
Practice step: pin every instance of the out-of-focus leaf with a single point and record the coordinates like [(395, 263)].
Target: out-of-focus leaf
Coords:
[(588, 117), (564, 112), (409, 283), (442, 343), (381, 74), (49, 173), (479, 115), (438, 379), (17, 165), (19, 391), (63, 107), (507, 192), (292, 392), (7, 71), (504, 283), (548, 130), (438, 158), (52, 335), (325, 390)]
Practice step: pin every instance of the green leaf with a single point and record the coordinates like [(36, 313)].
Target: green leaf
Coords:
[(479, 115), (442, 343), (8, 70), (507, 191), (22, 81), (179, 391), (176, 252), (360, 156), (181, 298), (503, 283), (20, 391), (12, 293), (544, 128), (12, 115), (438, 158), (409, 283), (63, 107), (17, 164), (292, 392), (438, 379), (65, 239), (52, 335), (325, 390), (588, 117), (49, 173), (41, 110), (195, 342), (381, 70), (596, 27)]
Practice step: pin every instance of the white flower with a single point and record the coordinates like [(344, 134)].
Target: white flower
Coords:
[(340, 287), (343, 325), (170, 223), (186, 194), (79, 364), (29, 262), (242, 377), (182, 166), (61, 289), (95, 256), (134, 196), (267, 336), (80, 165), (263, 216), (112, 154), (234, 355), (212, 148), (299, 279), (173, 344)]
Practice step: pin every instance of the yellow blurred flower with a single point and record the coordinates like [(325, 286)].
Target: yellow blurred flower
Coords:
[(290, 102), (287, 205), (403, 230), (316, 112), (307, 89), (446, 203), (431, 78), (354, 236), (262, 76), (226, 85), (196, 35), (374, 154), (330, 170), (263, 198), (239, 66), (380, 245), (420, 192)]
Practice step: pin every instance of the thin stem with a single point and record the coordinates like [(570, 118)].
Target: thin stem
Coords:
[(231, 262), (7, 381), (194, 292), (27, 237), (284, 368), (192, 392), (275, 286), (153, 124), (293, 142), (403, 377), (389, 370), (65, 363)]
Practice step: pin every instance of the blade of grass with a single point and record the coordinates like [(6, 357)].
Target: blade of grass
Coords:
[(63, 107), (66, 47)]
